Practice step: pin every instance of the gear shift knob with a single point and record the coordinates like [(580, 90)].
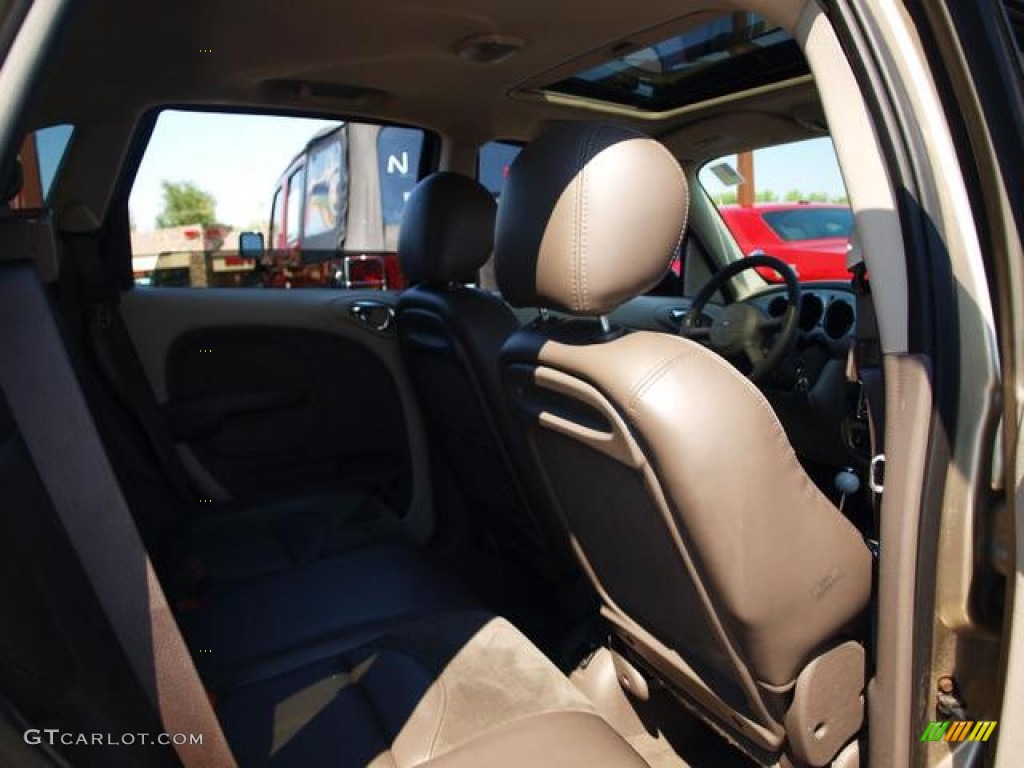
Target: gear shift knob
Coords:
[(847, 482)]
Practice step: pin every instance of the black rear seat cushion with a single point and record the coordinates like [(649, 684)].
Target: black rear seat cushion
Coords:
[(321, 602), (400, 700), (242, 541)]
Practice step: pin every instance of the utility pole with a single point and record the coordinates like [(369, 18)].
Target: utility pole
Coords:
[(745, 194)]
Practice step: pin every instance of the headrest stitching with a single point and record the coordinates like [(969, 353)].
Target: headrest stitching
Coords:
[(686, 199), (585, 303), (574, 231)]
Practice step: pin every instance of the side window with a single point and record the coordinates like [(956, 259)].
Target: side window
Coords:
[(327, 196), (787, 201), (42, 154), (492, 164), (276, 239), (292, 219)]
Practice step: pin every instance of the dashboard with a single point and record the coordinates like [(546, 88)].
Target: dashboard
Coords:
[(827, 326), (809, 390), (827, 312)]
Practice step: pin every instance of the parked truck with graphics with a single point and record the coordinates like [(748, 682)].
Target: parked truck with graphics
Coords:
[(335, 213), (336, 209)]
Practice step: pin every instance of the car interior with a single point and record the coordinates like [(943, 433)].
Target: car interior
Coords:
[(591, 490)]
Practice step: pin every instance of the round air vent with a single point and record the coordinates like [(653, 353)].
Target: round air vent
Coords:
[(777, 307), (811, 310), (839, 319)]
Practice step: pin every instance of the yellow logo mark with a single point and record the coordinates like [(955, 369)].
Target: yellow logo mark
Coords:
[(959, 730)]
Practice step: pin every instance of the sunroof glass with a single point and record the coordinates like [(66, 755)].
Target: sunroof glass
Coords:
[(732, 53)]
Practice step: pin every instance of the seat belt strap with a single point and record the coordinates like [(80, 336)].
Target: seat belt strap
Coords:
[(115, 355), (867, 356), (61, 437)]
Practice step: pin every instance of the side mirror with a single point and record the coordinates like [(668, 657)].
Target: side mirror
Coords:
[(250, 245)]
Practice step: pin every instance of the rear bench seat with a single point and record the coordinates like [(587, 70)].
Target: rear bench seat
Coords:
[(463, 689), (363, 654), (455, 689), (254, 579), (337, 599), (246, 579)]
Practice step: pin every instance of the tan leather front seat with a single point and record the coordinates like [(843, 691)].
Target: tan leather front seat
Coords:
[(723, 571)]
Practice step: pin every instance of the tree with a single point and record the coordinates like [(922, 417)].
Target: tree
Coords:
[(766, 196), (185, 203)]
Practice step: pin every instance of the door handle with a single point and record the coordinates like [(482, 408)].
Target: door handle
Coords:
[(375, 315)]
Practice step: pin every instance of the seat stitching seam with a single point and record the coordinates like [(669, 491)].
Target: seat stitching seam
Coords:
[(650, 378), (439, 679), (762, 403), (374, 712), (440, 720), (686, 200), (583, 218), (579, 169)]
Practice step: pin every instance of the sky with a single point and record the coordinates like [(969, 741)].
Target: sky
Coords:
[(236, 158), (239, 158), (809, 166)]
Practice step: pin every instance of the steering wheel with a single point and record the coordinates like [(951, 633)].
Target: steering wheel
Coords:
[(738, 333)]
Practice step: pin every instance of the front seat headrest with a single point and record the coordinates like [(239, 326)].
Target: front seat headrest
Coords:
[(447, 230), (590, 217), (12, 181)]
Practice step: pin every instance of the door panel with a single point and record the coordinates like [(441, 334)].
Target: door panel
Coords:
[(281, 391), (270, 409)]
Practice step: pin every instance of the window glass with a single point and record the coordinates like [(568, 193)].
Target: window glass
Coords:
[(787, 201), (326, 195), (730, 53), (294, 205), (42, 154), (51, 146), (810, 223), (493, 162), (277, 221)]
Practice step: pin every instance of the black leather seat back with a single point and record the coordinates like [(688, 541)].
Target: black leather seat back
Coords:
[(450, 335)]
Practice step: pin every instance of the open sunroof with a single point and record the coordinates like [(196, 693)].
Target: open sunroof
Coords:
[(732, 53)]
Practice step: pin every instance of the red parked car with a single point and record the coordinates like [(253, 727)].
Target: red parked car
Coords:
[(810, 237)]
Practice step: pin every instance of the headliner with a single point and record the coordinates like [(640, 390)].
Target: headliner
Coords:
[(122, 57)]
